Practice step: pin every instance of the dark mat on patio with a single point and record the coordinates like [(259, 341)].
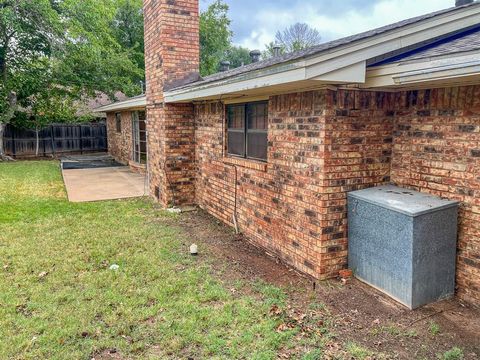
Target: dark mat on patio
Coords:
[(89, 162)]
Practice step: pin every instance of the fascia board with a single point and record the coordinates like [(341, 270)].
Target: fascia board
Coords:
[(397, 74), (124, 105), (351, 74), (228, 86), (440, 73)]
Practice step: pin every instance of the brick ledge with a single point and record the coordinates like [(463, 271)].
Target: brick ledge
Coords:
[(246, 163)]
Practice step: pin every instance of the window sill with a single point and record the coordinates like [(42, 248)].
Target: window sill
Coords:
[(136, 165), (246, 163)]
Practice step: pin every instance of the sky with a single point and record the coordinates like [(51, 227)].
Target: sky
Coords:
[(255, 22)]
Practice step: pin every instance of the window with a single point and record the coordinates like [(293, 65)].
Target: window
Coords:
[(247, 126), (139, 135), (118, 122)]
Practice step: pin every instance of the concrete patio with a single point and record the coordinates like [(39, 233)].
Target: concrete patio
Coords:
[(102, 183)]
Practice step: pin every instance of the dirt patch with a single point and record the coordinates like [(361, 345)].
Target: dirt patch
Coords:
[(359, 314)]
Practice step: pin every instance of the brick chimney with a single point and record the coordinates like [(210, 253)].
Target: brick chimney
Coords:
[(172, 52)]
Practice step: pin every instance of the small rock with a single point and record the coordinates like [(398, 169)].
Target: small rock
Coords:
[(194, 249), (376, 321), (174, 210), (114, 267)]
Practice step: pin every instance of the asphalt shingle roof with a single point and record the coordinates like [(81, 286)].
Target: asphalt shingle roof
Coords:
[(465, 42), (316, 49)]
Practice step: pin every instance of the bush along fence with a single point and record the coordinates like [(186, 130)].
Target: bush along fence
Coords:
[(56, 139)]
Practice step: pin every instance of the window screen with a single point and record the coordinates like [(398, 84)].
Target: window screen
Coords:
[(247, 126), (236, 130), (257, 120)]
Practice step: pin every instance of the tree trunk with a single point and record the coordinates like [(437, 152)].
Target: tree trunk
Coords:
[(3, 157), (37, 141), (2, 131)]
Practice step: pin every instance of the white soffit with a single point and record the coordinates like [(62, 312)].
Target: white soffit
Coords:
[(345, 64)]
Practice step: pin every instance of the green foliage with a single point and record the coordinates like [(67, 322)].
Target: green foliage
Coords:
[(29, 30), (238, 56), (358, 352), (215, 37), (313, 355), (434, 328), (128, 29), (55, 53), (453, 354)]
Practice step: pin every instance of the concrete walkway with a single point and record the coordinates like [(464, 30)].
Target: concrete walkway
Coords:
[(107, 183)]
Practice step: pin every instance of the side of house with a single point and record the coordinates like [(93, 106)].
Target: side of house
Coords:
[(274, 147), (126, 131)]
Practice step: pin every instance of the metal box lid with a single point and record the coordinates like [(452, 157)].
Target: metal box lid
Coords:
[(408, 202)]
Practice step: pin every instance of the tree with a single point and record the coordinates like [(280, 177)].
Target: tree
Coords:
[(46, 45), (294, 38), (45, 101), (238, 56), (128, 28), (28, 30), (215, 37)]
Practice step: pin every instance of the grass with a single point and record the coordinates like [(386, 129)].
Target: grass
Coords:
[(434, 328), (358, 352), (60, 300), (453, 354)]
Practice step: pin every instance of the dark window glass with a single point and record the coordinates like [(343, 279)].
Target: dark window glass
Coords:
[(247, 126), (236, 117), (118, 122)]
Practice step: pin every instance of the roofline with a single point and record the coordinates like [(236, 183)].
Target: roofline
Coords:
[(442, 69), (132, 103), (334, 65)]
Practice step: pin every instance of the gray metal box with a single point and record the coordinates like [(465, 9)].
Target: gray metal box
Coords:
[(403, 243)]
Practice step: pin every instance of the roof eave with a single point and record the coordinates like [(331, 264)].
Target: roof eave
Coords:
[(443, 70), (129, 104)]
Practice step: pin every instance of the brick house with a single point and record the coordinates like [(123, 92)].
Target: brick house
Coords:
[(274, 147), (126, 132)]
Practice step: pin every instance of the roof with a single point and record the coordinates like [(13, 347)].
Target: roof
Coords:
[(322, 48), (460, 43), (92, 105), (135, 102)]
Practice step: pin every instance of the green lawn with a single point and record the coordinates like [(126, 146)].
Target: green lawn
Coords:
[(60, 300)]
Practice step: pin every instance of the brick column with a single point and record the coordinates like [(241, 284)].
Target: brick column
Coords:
[(171, 59)]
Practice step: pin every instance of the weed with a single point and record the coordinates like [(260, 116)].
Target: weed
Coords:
[(434, 328), (358, 352), (452, 354)]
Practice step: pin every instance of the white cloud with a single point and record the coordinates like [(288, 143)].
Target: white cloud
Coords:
[(267, 20)]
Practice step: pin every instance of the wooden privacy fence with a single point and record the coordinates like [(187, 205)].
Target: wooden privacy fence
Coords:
[(56, 139)]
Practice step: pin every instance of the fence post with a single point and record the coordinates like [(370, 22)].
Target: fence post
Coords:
[(44, 146), (14, 150), (52, 137), (81, 140)]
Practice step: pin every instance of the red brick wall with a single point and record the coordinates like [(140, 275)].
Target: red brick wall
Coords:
[(320, 146), (120, 144), (324, 144), (171, 58), (437, 150), (359, 131)]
